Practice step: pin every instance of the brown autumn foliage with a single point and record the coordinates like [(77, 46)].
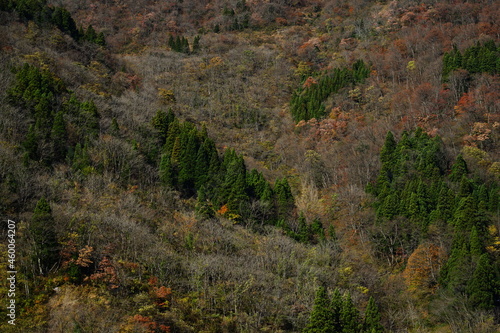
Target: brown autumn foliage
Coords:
[(150, 264), (422, 270)]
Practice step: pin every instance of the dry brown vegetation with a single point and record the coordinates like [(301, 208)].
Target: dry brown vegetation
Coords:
[(144, 261)]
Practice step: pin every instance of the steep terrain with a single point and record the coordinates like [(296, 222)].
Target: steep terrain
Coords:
[(247, 166)]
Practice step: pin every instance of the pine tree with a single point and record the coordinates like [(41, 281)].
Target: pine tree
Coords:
[(457, 270), (80, 160), (481, 194), (349, 316), (483, 287), (465, 214), (43, 234), (267, 194), (235, 181), (177, 44), (284, 198), (89, 119), (100, 39), (494, 199), (187, 162), (171, 42), (175, 152), (90, 34), (196, 44), (392, 206), (476, 243), (320, 319), (303, 232), (371, 323), (458, 169), (30, 144), (167, 171), (466, 187), (160, 123), (203, 207), (317, 229), (58, 137), (446, 203), (43, 115), (185, 46), (336, 305), (174, 131), (387, 151), (202, 166)]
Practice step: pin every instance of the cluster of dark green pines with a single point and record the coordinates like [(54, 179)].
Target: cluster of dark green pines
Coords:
[(479, 58), (416, 187), (62, 128), (52, 108), (181, 44), (42, 14), (191, 164), (339, 314), (308, 102)]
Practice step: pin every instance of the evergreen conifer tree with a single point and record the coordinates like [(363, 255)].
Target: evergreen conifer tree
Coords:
[(160, 123), (349, 316), (284, 198), (30, 144), (171, 42), (320, 319), (317, 229), (457, 270), (465, 213), (458, 169), (446, 203), (476, 243), (371, 323), (43, 234), (58, 137), (202, 166), (90, 34), (196, 44), (235, 180), (167, 171), (303, 232), (387, 151), (100, 39), (187, 163), (267, 194), (336, 306), (203, 207), (483, 287)]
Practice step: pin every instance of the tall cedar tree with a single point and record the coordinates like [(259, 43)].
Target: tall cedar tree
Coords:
[(203, 207), (349, 316), (336, 309), (43, 234), (483, 287), (320, 319), (59, 137), (161, 122), (371, 322), (458, 169), (284, 198)]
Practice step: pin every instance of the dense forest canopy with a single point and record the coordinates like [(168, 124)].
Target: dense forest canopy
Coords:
[(250, 166)]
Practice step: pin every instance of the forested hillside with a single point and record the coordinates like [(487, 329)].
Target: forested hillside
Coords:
[(250, 166)]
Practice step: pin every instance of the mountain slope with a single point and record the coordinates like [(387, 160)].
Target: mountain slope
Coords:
[(165, 174)]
